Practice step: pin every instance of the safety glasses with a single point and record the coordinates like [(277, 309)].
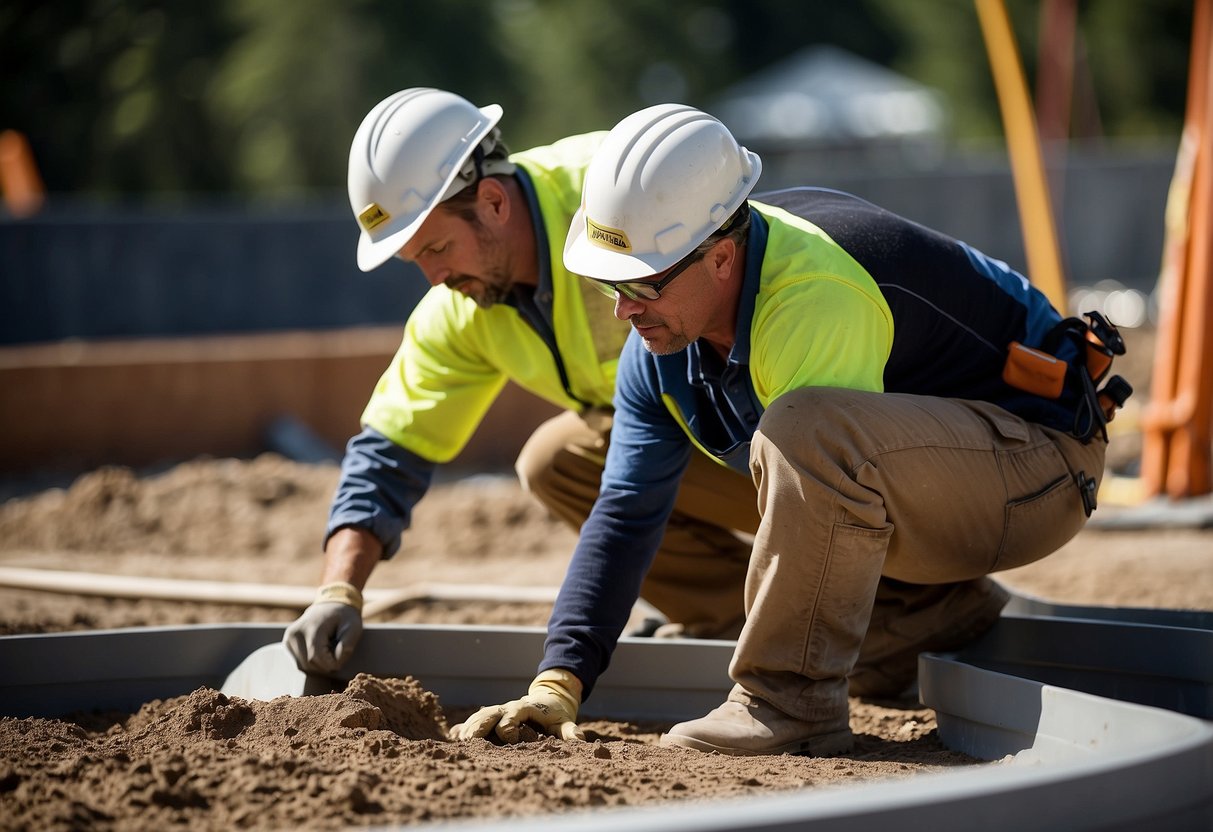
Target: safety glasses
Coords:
[(646, 289)]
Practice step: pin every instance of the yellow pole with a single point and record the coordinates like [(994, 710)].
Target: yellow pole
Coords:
[(1023, 145)]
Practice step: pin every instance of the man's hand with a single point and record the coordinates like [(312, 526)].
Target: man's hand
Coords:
[(551, 703), (324, 637)]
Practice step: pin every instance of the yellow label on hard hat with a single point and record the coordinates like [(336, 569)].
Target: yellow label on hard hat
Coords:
[(605, 237), (373, 216)]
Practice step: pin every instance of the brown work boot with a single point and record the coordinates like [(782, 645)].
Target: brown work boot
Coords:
[(909, 619), (745, 726)]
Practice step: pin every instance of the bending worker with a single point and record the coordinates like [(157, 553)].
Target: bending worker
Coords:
[(913, 415), (431, 182)]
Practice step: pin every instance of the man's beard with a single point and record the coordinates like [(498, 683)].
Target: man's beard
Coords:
[(494, 288), (673, 343), (496, 282)]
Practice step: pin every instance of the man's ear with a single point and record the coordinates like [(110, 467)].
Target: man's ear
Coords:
[(492, 201), (720, 257)]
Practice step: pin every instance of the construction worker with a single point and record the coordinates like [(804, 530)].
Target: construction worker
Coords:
[(431, 182), (868, 374)]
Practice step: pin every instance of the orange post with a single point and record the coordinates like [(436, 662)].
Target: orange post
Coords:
[(1178, 423), (19, 180)]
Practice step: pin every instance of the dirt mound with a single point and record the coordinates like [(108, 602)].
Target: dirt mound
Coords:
[(407, 709), (375, 754), (267, 507), (214, 508)]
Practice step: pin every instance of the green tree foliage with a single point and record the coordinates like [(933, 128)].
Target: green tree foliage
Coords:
[(282, 91), (261, 97), (1139, 56), (114, 94)]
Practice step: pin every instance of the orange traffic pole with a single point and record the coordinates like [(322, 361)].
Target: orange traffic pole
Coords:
[(1159, 418), (1178, 423), (1023, 145), (19, 180), (1188, 470)]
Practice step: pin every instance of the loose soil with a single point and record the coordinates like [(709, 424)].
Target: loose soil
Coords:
[(375, 754)]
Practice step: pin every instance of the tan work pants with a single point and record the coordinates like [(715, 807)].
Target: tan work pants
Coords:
[(698, 576), (853, 486)]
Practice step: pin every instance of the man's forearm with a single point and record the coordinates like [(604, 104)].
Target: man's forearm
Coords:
[(350, 556), (380, 483)]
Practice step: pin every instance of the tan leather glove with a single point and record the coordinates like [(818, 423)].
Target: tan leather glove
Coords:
[(551, 703)]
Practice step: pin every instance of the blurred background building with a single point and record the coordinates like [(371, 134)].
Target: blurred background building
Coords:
[(832, 104)]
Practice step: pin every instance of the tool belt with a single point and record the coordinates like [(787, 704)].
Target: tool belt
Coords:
[(1041, 372)]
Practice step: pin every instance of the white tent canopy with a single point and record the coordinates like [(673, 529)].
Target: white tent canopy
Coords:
[(823, 95)]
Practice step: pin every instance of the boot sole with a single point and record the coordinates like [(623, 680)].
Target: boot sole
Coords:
[(821, 745)]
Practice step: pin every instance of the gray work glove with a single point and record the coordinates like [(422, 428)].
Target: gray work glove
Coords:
[(323, 638)]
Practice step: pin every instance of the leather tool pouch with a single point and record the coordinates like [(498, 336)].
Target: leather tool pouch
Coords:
[(1040, 372)]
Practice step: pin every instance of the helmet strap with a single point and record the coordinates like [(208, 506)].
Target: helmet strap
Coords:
[(481, 164)]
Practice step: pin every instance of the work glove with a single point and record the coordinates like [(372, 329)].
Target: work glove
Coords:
[(324, 637), (551, 703)]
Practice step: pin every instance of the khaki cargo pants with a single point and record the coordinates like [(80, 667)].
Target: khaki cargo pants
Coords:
[(854, 486)]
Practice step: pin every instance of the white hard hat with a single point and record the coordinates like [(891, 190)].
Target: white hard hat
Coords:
[(407, 156), (664, 179)]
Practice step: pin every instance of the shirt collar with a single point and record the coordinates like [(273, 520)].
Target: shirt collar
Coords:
[(756, 248), (543, 252)]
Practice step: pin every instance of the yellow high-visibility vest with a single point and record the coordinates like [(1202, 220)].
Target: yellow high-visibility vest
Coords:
[(456, 357)]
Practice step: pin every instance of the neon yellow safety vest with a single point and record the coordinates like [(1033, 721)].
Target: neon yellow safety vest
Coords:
[(456, 357)]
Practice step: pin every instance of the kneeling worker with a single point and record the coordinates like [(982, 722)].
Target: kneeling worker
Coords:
[(913, 414)]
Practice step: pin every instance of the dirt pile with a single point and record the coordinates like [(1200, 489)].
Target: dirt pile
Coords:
[(377, 754), (210, 508), (374, 754), (262, 520)]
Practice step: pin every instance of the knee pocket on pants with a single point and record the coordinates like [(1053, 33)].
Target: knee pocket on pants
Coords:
[(1039, 524)]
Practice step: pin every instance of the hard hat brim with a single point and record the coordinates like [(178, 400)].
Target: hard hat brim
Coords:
[(373, 253)]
